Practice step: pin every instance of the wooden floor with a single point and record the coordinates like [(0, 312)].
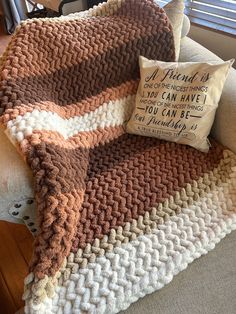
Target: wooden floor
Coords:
[(15, 248), (16, 244), (4, 38)]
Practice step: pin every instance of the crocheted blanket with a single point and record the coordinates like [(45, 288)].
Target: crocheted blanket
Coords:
[(119, 214)]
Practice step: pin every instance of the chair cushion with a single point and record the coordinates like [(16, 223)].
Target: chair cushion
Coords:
[(175, 12), (224, 127), (207, 286)]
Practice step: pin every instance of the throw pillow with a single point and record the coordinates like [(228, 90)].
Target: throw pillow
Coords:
[(175, 12), (177, 101)]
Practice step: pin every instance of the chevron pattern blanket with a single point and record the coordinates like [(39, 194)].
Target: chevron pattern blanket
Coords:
[(119, 214)]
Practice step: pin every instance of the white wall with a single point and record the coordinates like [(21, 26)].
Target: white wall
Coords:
[(222, 45)]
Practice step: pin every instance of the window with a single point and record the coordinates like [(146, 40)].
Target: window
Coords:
[(217, 14)]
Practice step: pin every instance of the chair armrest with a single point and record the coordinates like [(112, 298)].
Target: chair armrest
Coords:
[(224, 127)]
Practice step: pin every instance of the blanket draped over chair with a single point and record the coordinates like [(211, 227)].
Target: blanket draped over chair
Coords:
[(118, 214)]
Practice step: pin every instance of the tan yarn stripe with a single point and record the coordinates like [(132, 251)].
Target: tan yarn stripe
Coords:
[(59, 234), (136, 165), (98, 142), (39, 289), (126, 153), (60, 174), (158, 215), (59, 195), (57, 86), (40, 33), (61, 88), (89, 139), (30, 27), (77, 109)]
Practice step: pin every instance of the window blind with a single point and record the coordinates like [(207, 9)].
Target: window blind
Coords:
[(216, 14)]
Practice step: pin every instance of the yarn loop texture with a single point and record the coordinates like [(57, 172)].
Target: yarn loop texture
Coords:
[(118, 215)]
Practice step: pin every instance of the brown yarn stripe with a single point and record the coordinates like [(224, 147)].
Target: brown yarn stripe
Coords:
[(158, 215), (59, 176), (138, 173), (86, 106), (88, 78), (89, 139), (66, 71), (134, 177), (66, 43)]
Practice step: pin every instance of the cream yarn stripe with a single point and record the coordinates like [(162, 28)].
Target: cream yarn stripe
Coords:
[(144, 225), (119, 278), (113, 113)]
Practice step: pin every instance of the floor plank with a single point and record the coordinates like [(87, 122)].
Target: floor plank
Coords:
[(16, 244), (15, 247), (4, 38), (23, 239), (8, 305)]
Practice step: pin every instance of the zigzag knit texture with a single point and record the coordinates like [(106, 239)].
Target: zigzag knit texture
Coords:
[(118, 214), (111, 281)]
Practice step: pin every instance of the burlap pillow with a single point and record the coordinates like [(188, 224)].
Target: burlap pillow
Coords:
[(177, 101)]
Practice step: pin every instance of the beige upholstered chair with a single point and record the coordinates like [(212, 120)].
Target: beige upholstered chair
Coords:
[(199, 289)]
